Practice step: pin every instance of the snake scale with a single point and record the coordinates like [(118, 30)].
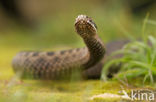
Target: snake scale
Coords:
[(56, 65), (53, 65)]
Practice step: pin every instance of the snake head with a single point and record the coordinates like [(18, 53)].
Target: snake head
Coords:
[(85, 26)]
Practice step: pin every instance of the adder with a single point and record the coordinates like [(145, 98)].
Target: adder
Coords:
[(55, 65)]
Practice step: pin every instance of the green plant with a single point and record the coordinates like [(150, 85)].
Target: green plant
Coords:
[(139, 58)]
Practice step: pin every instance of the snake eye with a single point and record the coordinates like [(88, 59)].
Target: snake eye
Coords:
[(93, 23), (87, 17)]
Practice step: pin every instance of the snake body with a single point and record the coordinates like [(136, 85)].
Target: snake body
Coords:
[(54, 65)]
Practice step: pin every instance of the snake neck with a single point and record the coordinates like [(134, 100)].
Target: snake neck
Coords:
[(96, 50)]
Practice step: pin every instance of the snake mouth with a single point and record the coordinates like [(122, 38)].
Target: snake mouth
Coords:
[(85, 26)]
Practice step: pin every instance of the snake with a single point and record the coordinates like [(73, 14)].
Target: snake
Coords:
[(88, 60), (59, 64)]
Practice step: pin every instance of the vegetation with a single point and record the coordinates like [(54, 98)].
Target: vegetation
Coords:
[(54, 31), (138, 60)]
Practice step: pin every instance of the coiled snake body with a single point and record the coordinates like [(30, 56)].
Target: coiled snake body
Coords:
[(53, 65)]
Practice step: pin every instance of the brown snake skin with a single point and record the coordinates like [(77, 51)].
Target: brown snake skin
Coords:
[(56, 65)]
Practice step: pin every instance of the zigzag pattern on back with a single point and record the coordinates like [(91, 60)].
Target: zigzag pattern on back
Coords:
[(53, 65)]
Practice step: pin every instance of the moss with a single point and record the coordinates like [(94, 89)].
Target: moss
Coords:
[(15, 90)]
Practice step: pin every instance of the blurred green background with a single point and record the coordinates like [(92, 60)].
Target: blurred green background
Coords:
[(38, 24), (49, 25)]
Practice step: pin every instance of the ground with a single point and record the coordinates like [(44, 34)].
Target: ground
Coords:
[(16, 90)]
